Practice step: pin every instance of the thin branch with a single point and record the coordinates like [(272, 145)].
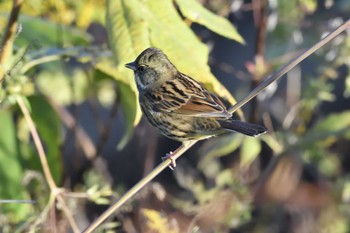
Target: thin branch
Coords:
[(183, 148), (55, 192), (260, 21), (67, 213), (37, 142), (9, 36)]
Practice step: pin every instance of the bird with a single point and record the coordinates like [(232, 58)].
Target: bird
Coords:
[(180, 107)]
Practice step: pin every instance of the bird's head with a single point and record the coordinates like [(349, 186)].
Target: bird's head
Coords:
[(151, 67)]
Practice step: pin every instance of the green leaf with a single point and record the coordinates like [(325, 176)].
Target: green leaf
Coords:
[(347, 87), (309, 5), (40, 33), (334, 125), (195, 12), (72, 87), (334, 122), (215, 148), (11, 171), (128, 36), (251, 148), (49, 128), (221, 146)]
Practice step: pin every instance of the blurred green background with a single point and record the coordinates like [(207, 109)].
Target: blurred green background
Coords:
[(65, 61)]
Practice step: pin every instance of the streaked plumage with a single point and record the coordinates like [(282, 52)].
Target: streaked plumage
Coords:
[(177, 105)]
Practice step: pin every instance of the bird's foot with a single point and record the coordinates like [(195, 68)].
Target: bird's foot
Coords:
[(170, 156)]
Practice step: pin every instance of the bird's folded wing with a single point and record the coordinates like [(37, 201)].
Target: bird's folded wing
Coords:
[(173, 97)]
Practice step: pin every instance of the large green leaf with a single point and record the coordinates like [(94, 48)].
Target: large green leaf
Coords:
[(49, 128), (11, 172), (195, 12), (128, 36)]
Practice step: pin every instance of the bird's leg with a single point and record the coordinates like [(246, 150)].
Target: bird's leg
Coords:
[(170, 156)]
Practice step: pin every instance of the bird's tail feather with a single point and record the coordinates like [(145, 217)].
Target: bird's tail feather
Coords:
[(244, 127)]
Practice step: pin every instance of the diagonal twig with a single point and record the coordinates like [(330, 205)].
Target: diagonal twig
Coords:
[(183, 148)]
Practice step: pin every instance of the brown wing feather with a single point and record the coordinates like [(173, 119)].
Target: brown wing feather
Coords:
[(185, 96)]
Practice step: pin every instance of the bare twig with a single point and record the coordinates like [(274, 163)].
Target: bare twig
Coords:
[(9, 36), (37, 142), (260, 21), (183, 148), (55, 192)]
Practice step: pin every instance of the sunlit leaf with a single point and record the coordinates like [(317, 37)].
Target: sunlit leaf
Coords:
[(334, 125), (127, 40), (347, 87), (195, 12), (217, 147), (38, 33), (251, 148), (309, 5), (11, 171), (156, 222), (333, 122), (73, 88)]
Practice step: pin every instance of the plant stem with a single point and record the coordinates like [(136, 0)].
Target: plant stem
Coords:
[(260, 21), (9, 36)]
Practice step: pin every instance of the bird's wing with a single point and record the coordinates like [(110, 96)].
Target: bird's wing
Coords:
[(185, 96)]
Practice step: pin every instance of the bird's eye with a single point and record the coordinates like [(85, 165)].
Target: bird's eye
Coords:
[(141, 68)]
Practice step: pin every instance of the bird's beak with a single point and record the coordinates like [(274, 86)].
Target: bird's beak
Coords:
[(131, 65)]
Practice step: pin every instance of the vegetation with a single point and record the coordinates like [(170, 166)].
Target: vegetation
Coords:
[(72, 140)]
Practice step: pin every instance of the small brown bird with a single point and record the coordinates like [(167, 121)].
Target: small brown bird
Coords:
[(178, 106)]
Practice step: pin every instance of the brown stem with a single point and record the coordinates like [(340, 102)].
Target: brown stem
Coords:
[(9, 36), (37, 142), (260, 20)]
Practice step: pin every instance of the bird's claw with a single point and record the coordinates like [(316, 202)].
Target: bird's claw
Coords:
[(170, 156)]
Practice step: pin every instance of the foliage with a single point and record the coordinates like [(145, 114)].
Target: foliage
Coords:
[(67, 64)]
